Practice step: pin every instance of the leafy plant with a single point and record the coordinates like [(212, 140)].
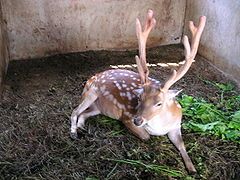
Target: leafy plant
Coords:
[(220, 119)]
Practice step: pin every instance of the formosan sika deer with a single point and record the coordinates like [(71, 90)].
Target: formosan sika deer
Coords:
[(144, 105)]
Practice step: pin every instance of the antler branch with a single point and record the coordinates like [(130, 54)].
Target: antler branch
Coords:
[(142, 39), (190, 52)]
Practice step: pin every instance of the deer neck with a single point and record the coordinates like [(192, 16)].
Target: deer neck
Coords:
[(169, 118)]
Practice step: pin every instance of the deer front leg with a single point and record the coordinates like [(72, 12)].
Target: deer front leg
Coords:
[(176, 138), (137, 131)]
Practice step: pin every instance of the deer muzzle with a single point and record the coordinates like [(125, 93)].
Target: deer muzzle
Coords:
[(138, 121)]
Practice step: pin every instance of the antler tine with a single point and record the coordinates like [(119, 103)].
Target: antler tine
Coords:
[(142, 39), (190, 52)]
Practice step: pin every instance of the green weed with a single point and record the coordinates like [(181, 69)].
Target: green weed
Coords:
[(115, 126), (91, 178), (150, 167), (221, 119)]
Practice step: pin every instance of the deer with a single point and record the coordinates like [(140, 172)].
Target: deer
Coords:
[(143, 104)]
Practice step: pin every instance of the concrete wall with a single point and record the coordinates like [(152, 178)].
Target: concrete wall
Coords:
[(41, 28), (220, 42), (4, 58)]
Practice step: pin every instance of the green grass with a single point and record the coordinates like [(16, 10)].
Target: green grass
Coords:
[(153, 168), (116, 128), (221, 118)]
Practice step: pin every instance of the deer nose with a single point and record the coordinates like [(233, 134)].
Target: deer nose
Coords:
[(138, 121)]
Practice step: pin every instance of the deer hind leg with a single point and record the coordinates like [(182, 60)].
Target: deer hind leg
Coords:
[(88, 98), (91, 111), (176, 138)]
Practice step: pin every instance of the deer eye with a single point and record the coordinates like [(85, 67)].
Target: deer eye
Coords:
[(159, 104)]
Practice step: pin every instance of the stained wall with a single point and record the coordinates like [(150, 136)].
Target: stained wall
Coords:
[(41, 28), (220, 43), (4, 56)]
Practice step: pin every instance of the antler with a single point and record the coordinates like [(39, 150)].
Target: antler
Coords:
[(190, 52), (142, 39)]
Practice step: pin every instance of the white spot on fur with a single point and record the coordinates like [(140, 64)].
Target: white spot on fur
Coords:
[(128, 114), (129, 96), (124, 85), (122, 94), (118, 86), (119, 105), (102, 89), (106, 93), (133, 84), (155, 81)]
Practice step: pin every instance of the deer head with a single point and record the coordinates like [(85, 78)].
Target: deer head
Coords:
[(158, 100)]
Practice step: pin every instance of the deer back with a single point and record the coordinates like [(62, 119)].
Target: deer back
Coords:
[(117, 92)]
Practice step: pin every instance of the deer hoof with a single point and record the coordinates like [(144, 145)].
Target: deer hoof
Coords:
[(192, 170), (144, 137), (74, 135)]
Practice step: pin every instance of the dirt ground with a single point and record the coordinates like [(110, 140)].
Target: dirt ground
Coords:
[(39, 99)]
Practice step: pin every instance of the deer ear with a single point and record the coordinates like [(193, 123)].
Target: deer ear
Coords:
[(138, 92), (173, 93)]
